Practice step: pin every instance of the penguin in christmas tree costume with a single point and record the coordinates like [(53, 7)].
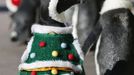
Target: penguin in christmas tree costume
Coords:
[(52, 51)]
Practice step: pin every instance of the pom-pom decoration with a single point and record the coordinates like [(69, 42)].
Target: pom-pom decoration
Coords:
[(32, 55), (52, 33), (54, 71), (55, 53), (71, 57), (33, 73), (63, 45), (16, 2), (13, 5), (42, 44)]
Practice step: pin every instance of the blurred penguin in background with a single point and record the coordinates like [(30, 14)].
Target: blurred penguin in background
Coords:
[(114, 52)]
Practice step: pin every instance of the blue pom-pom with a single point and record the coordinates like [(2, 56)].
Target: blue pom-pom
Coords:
[(63, 45), (32, 55)]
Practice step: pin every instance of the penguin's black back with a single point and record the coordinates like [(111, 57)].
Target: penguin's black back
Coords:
[(116, 54)]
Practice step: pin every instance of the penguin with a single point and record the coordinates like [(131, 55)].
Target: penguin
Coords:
[(114, 51), (22, 20), (88, 29), (45, 12)]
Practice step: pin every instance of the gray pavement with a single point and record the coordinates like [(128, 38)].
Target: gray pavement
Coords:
[(10, 53)]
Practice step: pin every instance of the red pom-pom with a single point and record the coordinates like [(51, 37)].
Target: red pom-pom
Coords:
[(16, 2), (71, 57), (33, 73), (42, 44)]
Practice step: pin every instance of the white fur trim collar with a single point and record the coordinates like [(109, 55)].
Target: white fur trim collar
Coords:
[(115, 4), (53, 12), (58, 63), (47, 29), (27, 51)]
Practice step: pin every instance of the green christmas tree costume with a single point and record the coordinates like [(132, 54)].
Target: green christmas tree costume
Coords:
[(52, 51)]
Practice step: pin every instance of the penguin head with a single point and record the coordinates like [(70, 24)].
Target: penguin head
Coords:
[(58, 7), (65, 4)]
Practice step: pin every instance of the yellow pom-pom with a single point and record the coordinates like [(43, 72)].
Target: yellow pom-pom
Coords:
[(55, 53), (54, 71), (52, 33)]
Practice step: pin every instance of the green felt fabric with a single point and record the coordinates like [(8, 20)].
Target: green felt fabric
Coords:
[(53, 42)]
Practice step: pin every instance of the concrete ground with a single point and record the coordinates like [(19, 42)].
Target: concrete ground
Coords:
[(10, 53)]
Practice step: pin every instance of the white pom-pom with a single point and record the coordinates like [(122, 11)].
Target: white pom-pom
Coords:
[(63, 45)]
